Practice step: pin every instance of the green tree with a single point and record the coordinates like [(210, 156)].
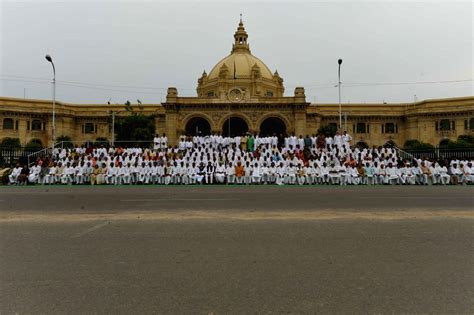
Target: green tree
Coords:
[(463, 142), (136, 127), (328, 130), (34, 145), (10, 143), (467, 139), (417, 145), (101, 141)]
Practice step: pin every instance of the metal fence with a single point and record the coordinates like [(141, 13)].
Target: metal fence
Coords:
[(11, 156), (437, 153)]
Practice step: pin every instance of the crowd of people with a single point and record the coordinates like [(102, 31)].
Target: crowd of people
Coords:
[(241, 160)]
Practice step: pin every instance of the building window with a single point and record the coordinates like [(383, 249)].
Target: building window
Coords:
[(361, 128), (471, 123), (445, 124), (389, 128), (210, 94), (36, 125), (88, 128), (7, 123), (333, 125), (269, 94)]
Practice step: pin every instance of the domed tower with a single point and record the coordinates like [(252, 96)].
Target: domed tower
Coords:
[(240, 75)]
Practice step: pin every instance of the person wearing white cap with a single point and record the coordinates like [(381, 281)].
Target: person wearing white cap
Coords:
[(191, 170), (291, 172), (280, 174), (220, 173), (256, 174), (393, 174), (127, 175), (407, 174), (272, 173)]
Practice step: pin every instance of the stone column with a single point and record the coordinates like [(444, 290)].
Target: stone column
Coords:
[(171, 127), (300, 111), (300, 123), (171, 111)]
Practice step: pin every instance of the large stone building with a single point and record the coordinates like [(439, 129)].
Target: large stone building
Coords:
[(242, 94)]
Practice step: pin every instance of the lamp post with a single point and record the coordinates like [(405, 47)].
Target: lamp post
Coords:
[(339, 87), (113, 126), (49, 59)]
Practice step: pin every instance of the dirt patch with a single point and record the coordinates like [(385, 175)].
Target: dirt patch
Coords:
[(6, 217)]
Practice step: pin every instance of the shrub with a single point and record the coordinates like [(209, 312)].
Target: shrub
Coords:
[(101, 141), (414, 144), (11, 143), (34, 145), (66, 142), (362, 145)]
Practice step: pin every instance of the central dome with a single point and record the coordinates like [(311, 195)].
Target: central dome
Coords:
[(243, 62), (240, 70)]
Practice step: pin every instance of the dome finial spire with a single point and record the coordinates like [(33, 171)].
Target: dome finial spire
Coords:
[(240, 37)]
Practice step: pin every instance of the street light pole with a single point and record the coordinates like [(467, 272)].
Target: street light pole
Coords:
[(113, 129), (113, 126), (49, 59), (339, 86)]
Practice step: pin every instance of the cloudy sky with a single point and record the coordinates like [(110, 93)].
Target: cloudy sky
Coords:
[(119, 50)]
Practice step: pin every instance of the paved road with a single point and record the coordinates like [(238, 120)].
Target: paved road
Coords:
[(300, 250), (176, 198)]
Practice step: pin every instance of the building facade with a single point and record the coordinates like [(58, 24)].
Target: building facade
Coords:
[(241, 94)]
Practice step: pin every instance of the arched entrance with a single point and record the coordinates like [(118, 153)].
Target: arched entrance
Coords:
[(234, 126), (198, 126), (272, 126)]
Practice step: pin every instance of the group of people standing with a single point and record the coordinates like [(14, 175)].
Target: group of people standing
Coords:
[(242, 160)]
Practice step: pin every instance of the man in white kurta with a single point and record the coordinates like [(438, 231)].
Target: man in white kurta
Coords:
[(220, 173), (13, 177)]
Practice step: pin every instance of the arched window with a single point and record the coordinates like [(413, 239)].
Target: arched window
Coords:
[(7, 123), (272, 126), (36, 124), (234, 126), (198, 126)]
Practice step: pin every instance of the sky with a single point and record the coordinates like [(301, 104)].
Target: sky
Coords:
[(392, 51)]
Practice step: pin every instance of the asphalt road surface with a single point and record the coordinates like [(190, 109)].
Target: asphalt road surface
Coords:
[(217, 250)]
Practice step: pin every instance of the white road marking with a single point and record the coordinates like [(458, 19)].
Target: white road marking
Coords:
[(181, 199), (95, 227)]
